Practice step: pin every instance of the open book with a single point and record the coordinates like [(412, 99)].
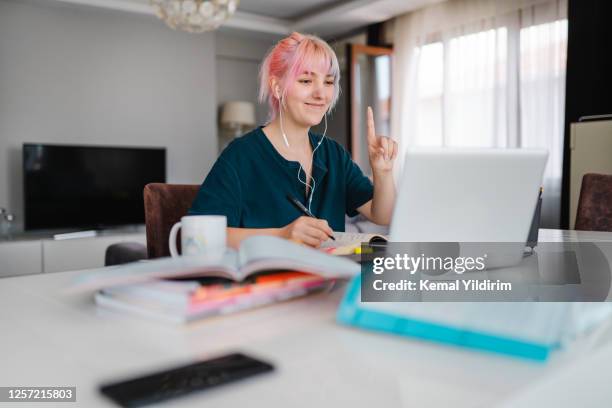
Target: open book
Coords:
[(256, 254)]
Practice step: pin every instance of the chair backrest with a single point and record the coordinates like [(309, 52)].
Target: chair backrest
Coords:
[(165, 204), (595, 203)]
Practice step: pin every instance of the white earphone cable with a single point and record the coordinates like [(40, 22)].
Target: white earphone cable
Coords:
[(314, 181), (304, 182), (280, 112)]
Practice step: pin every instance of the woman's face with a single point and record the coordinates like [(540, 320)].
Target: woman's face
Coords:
[(308, 98)]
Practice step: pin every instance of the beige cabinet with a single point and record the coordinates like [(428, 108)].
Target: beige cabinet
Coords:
[(20, 258), (48, 255), (82, 253)]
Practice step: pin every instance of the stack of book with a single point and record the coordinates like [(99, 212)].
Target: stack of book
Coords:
[(182, 301), (264, 270)]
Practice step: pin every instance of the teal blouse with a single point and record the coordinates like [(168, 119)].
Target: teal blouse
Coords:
[(250, 181)]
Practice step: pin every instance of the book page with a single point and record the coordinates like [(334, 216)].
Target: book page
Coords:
[(268, 253), (225, 265)]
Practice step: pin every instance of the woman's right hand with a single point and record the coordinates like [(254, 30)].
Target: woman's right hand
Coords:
[(307, 230)]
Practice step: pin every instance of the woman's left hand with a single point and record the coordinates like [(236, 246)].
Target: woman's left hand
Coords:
[(382, 150)]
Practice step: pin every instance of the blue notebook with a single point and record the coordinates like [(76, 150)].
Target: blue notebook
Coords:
[(527, 330)]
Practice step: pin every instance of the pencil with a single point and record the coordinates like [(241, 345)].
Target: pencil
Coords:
[(304, 210)]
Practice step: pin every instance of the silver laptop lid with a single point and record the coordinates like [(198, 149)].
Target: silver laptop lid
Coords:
[(467, 195)]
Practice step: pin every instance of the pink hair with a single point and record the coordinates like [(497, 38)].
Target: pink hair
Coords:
[(288, 59)]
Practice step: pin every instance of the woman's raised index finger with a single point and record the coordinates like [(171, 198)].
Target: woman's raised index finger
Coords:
[(371, 129)]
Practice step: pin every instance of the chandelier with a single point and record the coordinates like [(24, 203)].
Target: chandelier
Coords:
[(195, 16)]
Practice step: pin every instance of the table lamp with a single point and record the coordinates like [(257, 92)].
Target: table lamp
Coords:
[(237, 116)]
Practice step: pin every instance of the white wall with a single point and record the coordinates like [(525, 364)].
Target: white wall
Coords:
[(238, 62), (82, 75)]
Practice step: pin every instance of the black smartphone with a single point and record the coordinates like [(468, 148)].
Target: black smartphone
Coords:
[(180, 381)]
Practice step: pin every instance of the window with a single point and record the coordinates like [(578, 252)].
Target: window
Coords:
[(543, 55), (485, 73), (430, 91), (473, 91)]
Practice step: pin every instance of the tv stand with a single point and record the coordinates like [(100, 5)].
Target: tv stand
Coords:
[(38, 252)]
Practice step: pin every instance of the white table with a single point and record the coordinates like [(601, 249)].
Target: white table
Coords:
[(49, 339)]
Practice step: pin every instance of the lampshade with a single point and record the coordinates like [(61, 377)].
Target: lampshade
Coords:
[(237, 114)]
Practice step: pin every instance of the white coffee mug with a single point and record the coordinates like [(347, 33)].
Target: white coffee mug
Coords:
[(200, 235)]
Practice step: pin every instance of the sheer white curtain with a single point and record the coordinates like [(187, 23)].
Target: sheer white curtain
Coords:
[(487, 73)]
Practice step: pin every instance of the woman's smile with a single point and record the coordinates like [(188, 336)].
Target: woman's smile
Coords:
[(317, 106)]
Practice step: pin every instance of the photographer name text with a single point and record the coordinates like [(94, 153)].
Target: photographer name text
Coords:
[(427, 285)]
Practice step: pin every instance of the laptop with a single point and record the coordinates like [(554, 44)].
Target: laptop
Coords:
[(469, 195)]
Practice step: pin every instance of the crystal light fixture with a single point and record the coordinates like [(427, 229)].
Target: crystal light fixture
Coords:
[(195, 16)]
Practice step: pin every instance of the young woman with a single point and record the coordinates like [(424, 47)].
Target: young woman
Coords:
[(254, 178)]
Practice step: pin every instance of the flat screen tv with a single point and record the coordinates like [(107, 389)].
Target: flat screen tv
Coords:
[(84, 187)]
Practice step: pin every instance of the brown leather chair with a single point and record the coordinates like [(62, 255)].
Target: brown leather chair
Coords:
[(165, 204), (595, 203)]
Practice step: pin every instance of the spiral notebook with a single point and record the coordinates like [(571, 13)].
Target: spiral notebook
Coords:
[(522, 329)]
